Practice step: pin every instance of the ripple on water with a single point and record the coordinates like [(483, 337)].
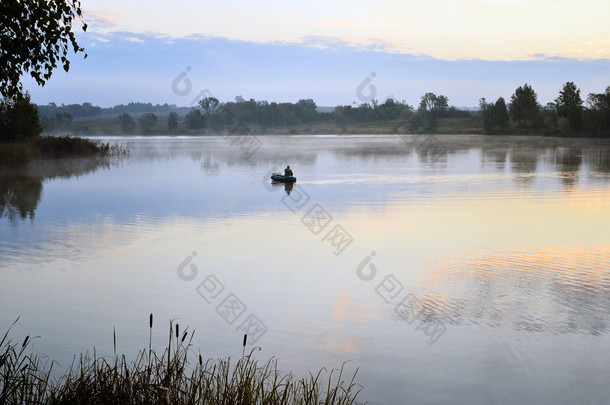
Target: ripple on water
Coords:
[(555, 290)]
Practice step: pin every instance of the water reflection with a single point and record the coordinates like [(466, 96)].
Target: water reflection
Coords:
[(554, 290), (503, 240), (287, 186), (19, 196), (21, 189), (339, 160)]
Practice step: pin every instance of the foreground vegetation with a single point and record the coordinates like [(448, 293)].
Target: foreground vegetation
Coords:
[(168, 378)]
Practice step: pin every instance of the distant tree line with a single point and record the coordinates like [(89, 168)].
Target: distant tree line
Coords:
[(214, 116), (147, 122), (61, 121), (430, 109), (88, 110), (263, 114), (567, 115)]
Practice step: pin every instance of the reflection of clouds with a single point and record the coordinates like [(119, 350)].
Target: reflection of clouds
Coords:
[(345, 311), (334, 342), (555, 289)]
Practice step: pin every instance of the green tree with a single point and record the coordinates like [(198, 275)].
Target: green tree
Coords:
[(487, 113), (430, 107), (524, 107), (194, 119), (598, 113), (127, 123), (569, 105), (306, 110), (148, 121), (495, 116), (18, 119), (550, 114), (172, 121), (34, 37), (501, 114), (209, 105), (441, 105)]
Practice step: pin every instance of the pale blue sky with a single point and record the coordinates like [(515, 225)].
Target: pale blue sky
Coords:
[(283, 51)]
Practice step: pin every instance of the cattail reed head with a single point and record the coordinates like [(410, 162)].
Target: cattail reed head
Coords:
[(184, 336), (151, 320), (200, 360), (25, 341), (177, 331), (245, 339)]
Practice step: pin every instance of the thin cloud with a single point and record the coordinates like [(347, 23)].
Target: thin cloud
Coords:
[(102, 19), (371, 44)]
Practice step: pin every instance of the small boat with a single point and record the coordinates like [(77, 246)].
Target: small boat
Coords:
[(279, 177)]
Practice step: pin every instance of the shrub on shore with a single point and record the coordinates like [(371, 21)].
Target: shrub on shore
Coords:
[(66, 146), (14, 154), (50, 147)]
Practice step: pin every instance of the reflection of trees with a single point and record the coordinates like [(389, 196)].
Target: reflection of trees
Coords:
[(568, 161), (210, 166), (67, 168), (524, 163), (21, 190), (598, 159), (19, 196)]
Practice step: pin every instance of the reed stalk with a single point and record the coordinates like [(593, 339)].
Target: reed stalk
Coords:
[(163, 379)]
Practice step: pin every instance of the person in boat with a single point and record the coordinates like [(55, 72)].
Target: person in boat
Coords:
[(288, 171)]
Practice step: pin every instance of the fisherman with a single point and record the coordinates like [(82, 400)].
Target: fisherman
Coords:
[(288, 171)]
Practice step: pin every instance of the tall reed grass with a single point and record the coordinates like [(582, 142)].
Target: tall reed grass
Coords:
[(168, 378)]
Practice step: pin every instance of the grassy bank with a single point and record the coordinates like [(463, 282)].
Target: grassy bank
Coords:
[(48, 147), (168, 378)]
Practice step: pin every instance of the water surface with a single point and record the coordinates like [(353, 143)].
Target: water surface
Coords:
[(451, 269)]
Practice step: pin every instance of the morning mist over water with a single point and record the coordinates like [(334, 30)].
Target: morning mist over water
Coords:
[(471, 269)]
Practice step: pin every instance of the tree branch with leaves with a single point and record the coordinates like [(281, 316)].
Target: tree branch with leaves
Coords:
[(35, 37)]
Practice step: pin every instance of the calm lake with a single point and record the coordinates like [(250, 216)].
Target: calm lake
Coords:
[(447, 269)]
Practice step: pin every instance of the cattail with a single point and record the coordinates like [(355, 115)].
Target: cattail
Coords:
[(243, 351), (177, 331), (151, 320), (184, 336), (25, 341), (200, 360)]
